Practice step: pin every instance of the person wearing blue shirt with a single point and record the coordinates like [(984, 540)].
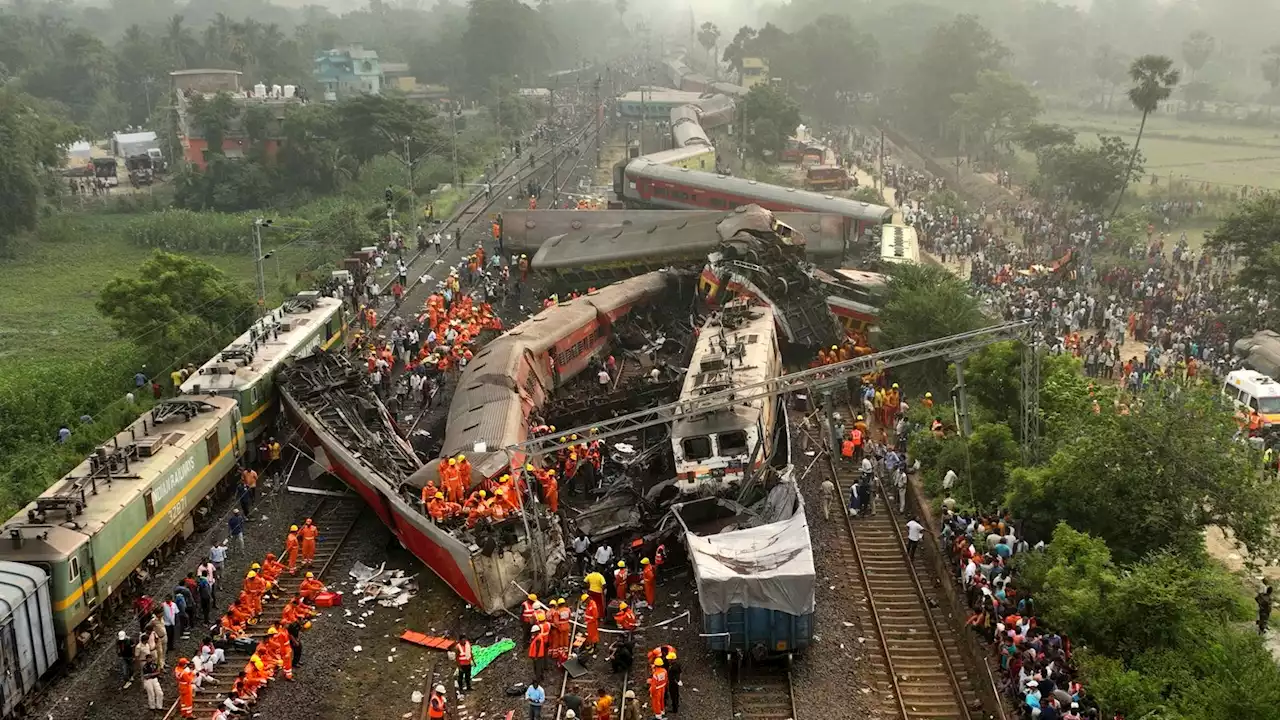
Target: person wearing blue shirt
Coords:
[(140, 379), (64, 434), (235, 524), (536, 696)]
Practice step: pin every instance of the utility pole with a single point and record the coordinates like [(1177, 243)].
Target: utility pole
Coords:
[(389, 195), (258, 257), (408, 162), (599, 110), (453, 128)]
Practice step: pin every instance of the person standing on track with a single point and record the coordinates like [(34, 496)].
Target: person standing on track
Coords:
[(186, 678), (828, 491), (463, 650), (151, 684), (309, 534), (658, 688), (673, 681), (915, 533), (291, 547)]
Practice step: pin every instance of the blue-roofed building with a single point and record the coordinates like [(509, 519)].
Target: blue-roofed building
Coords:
[(349, 70)]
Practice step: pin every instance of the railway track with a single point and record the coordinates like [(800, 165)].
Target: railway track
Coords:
[(915, 672), (336, 518), (763, 693)]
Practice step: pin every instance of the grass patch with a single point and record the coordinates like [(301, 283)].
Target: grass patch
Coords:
[(48, 289), (1220, 153)]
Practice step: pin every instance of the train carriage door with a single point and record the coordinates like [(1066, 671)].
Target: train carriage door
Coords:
[(11, 690), (236, 437), (81, 570)]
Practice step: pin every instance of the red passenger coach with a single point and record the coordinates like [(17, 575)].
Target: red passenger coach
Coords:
[(644, 183)]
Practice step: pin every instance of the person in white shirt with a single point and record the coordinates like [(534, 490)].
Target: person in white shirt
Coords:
[(603, 377), (604, 558), (915, 533), (949, 480)]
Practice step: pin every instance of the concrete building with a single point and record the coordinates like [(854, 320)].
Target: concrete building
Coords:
[(754, 72), (207, 83), (349, 70)]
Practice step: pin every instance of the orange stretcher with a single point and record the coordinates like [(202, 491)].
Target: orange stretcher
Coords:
[(427, 641)]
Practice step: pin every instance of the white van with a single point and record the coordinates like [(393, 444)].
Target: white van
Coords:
[(1250, 390)]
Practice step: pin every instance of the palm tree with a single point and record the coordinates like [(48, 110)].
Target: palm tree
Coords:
[(1154, 80)]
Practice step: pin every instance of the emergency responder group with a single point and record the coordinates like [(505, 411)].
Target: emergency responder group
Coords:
[(275, 652)]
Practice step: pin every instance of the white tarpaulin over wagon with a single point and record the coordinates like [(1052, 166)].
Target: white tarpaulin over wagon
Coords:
[(769, 566)]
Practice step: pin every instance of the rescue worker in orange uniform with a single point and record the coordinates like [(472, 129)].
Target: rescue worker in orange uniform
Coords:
[(186, 677), (271, 569), (529, 613), (255, 586), (462, 650), (310, 587), (278, 640), (436, 705), (309, 534), (620, 581), (291, 547), (563, 621), (650, 581), (551, 491), (538, 650), (928, 400), (625, 617), (591, 616), (464, 475), (658, 688), (449, 480)]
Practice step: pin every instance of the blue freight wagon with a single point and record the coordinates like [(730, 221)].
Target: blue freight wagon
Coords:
[(754, 572)]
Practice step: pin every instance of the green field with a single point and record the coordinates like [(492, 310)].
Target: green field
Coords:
[(1228, 154), (48, 291)]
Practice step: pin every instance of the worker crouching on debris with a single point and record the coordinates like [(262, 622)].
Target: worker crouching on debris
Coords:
[(271, 568), (436, 705), (625, 618)]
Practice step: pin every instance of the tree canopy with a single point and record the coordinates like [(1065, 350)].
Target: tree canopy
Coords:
[(1150, 479), (33, 140), (772, 117), (1249, 233), (178, 310), (924, 302)]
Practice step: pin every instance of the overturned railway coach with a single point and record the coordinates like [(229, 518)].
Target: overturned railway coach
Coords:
[(644, 183)]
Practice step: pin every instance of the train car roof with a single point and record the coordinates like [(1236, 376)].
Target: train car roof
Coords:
[(802, 199), (486, 408), (662, 96), (711, 369), (679, 154), (154, 451), (729, 88), (681, 235), (264, 347)]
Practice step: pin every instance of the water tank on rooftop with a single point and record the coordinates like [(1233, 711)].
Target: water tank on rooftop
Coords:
[(275, 91), (259, 90), (289, 90)]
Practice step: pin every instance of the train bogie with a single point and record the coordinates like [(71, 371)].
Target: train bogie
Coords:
[(28, 646)]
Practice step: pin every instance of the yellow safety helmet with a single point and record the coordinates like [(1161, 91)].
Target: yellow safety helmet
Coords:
[(540, 616), (528, 467), (564, 439), (671, 655), (252, 574), (255, 566), (439, 495), (453, 461), (484, 494), (644, 561), (310, 575), (622, 606), (461, 457), (293, 528), (595, 430), (561, 601), (584, 597), (552, 428), (533, 597), (861, 418), (833, 347), (621, 564), (657, 662), (928, 394), (895, 386), (551, 473), (306, 625), (272, 630), (573, 437), (504, 478)]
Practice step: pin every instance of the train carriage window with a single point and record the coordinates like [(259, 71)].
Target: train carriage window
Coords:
[(719, 203), (150, 503), (696, 448), (733, 443), (211, 446), (74, 572)]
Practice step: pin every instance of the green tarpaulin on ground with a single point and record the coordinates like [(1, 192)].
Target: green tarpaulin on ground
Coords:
[(482, 656)]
